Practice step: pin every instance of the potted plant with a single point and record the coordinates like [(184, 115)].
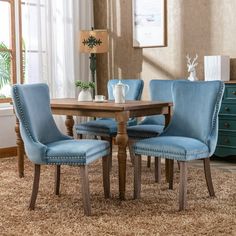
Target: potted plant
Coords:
[(85, 86)]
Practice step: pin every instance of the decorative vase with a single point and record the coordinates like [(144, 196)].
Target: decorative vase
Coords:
[(85, 96), (217, 68)]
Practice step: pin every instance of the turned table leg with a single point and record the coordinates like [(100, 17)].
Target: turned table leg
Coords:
[(122, 140), (20, 150), (69, 125)]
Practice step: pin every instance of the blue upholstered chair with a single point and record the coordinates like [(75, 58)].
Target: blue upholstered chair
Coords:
[(107, 127), (46, 145), (152, 126), (192, 133)]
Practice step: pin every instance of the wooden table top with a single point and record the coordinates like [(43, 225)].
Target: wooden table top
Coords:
[(72, 103)]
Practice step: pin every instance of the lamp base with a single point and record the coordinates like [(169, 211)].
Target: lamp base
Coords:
[(93, 70)]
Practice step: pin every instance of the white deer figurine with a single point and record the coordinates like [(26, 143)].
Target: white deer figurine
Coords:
[(192, 68)]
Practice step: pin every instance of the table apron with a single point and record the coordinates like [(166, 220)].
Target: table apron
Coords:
[(110, 114), (90, 113), (149, 112)]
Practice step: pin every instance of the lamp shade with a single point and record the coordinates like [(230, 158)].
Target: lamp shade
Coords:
[(93, 41)]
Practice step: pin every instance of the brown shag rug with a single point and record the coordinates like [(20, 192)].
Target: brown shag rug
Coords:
[(156, 213)]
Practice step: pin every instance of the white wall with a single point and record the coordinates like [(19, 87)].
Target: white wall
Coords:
[(7, 127)]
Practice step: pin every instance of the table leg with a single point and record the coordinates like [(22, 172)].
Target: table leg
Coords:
[(122, 140), (20, 150), (69, 125)]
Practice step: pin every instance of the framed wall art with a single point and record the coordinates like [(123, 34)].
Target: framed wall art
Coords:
[(149, 23)]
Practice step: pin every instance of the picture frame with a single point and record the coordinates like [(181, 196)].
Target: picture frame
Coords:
[(149, 23)]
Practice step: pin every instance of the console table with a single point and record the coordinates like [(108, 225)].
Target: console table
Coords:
[(226, 145)]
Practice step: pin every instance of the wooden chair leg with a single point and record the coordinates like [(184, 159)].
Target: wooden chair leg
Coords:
[(110, 157), (35, 187), (178, 165), (131, 153), (57, 179), (106, 175), (171, 173), (109, 139), (167, 174), (79, 136), (85, 189), (183, 186), (158, 170), (207, 171), (148, 161), (137, 176)]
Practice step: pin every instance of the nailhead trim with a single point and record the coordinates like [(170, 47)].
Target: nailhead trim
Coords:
[(67, 163), (19, 107), (169, 155), (175, 153), (66, 157), (79, 160), (216, 112)]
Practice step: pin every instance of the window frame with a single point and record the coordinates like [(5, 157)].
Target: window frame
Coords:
[(12, 49)]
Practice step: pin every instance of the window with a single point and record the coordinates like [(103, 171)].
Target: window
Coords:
[(34, 36), (7, 49)]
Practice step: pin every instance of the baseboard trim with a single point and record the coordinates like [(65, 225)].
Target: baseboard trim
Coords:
[(8, 152)]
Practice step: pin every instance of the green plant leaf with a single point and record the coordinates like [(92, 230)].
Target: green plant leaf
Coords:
[(84, 84), (5, 66)]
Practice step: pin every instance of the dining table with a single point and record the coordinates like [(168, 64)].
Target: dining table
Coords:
[(121, 112)]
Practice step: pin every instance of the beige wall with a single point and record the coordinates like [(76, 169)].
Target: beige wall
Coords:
[(205, 27)]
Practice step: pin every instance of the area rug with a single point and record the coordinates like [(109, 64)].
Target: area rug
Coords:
[(156, 213)]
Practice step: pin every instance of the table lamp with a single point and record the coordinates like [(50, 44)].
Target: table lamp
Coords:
[(93, 41)]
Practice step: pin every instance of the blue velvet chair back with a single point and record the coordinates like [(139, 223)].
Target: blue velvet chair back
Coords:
[(37, 126), (135, 88), (160, 90), (192, 110)]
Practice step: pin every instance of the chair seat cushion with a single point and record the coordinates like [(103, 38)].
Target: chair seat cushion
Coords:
[(76, 152), (144, 131), (153, 120), (101, 127), (172, 147)]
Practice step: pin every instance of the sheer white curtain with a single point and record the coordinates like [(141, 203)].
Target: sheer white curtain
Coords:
[(50, 31)]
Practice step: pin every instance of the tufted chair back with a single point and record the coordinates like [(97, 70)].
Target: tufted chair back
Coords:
[(37, 126), (192, 110), (160, 90)]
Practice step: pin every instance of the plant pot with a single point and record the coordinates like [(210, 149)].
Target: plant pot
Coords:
[(85, 96)]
